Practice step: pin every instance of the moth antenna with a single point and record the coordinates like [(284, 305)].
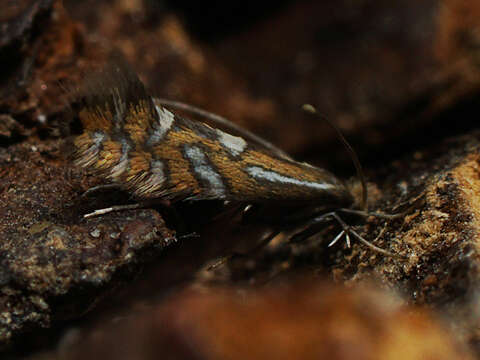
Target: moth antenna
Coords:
[(225, 123), (353, 155)]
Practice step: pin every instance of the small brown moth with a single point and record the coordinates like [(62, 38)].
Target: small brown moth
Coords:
[(131, 140)]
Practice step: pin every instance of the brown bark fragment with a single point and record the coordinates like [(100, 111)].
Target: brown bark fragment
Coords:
[(53, 263)]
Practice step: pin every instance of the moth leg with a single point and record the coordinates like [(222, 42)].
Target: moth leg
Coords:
[(338, 237), (144, 204), (313, 227), (347, 231), (410, 206), (112, 209), (94, 189), (250, 252), (375, 214)]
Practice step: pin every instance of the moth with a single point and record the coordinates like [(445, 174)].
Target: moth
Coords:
[(132, 140)]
